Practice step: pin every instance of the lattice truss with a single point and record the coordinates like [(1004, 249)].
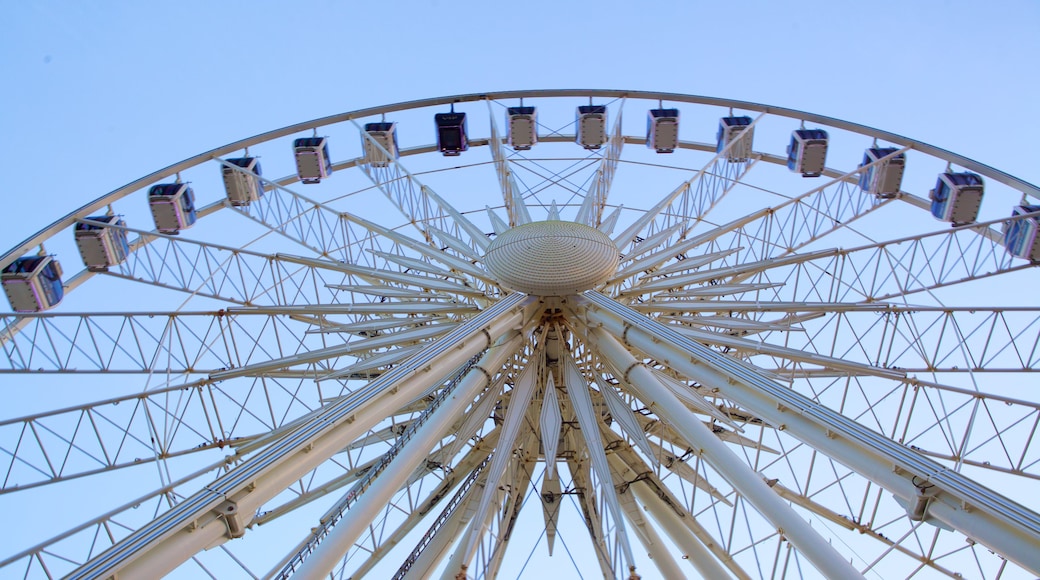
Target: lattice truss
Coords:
[(784, 377)]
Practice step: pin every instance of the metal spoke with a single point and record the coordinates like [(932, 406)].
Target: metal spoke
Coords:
[(591, 210), (377, 374), (512, 198), (1002, 517), (420, 204)]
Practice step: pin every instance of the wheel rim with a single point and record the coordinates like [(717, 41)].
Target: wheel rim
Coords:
[(866, 305)]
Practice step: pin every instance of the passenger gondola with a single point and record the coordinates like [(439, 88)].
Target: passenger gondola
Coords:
[(312, 159), (173, 207), (957, 197), (730, 128), (385, 134), (33, 283), (591, 121), (451, 133), (243, 187), (100, 245), (807, 152), (521, 127), (1020, 237), (662, 130), (884, 175)]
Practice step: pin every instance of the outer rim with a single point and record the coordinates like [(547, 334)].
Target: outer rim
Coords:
[(60, 224)]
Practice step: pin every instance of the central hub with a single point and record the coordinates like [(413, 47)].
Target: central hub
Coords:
[(552, 258)]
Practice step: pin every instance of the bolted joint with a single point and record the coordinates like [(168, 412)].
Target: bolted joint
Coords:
[(229, 511), (917, 507)]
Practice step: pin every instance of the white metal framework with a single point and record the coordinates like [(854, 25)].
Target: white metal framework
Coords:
[(547, 359)]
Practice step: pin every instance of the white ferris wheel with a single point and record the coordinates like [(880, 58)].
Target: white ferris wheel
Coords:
[(581, 333)]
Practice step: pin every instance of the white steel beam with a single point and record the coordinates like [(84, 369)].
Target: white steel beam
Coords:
[(513, 199), (740, 271), (644, 246), (305, 221), (591, 210), (515, 414), (581, 482), (387, 340), (382, 275), (652, 261), (465, 474), (578, 392), (234, 274), (475, 524), (708, 555), (434, 254), (689, 263), (366, 509), (374, 308), (749, 484), (549, 423), (701, 559), (978, 512), (450, 525), (799, 220), (413, 198), (647, 534), (886, 269), (624, 238), (520, 474), (204, 520), (407, 263), (755, 347)]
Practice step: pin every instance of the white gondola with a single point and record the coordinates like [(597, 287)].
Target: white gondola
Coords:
[(102, 246), (730, 128), (884, 178), (662, 130), (33, 283), (173, 207), (385, 134), (807, 152), (521, 127), (591, 121), (957, 197), (1020, 237), (451, 133), (312, 159), (243, 187)]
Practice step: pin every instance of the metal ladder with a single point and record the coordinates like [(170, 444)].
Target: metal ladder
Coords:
[(441, 519)]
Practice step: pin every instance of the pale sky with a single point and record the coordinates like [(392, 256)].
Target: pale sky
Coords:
[(97, 94)]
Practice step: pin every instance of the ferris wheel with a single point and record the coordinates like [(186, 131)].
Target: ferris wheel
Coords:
[(572, 332)]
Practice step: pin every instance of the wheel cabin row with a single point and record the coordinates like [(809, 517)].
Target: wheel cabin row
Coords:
[(33, 283)]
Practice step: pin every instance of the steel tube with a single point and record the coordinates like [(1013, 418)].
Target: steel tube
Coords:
[(655, 549), (284, 461), (748, 483), (976, 511), (695, 552), (328, 554)]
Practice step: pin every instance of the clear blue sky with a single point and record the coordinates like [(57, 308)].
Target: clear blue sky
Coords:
[(99, 93), (96, 94)]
